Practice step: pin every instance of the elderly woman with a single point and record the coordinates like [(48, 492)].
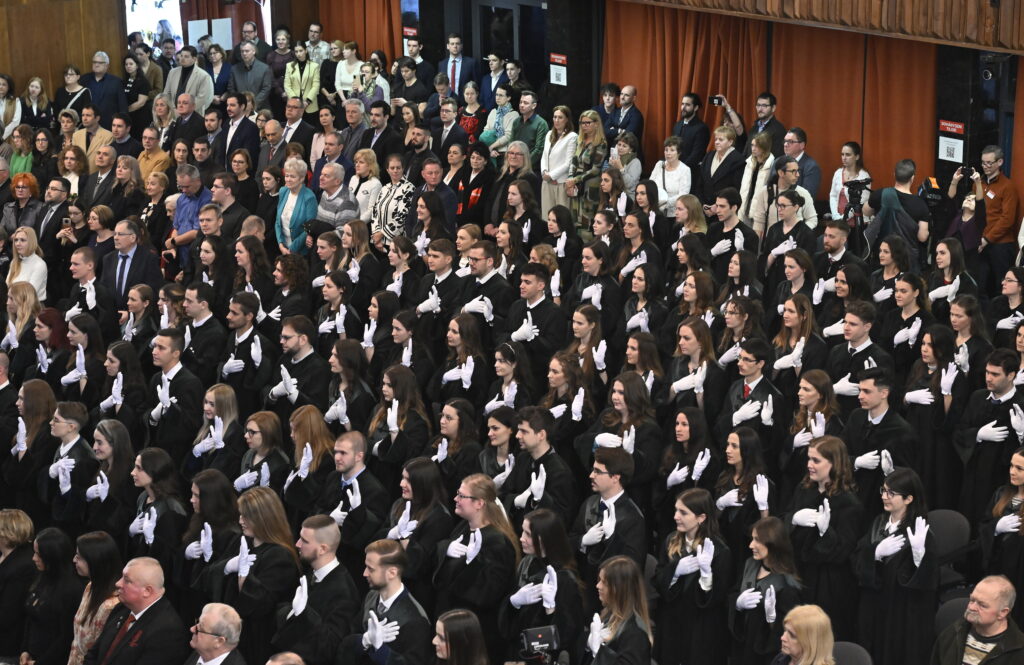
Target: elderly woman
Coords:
[(25, 207), (721, 168), (296, 205), (390, 209)]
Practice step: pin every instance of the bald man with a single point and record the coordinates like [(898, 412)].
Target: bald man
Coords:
[(272, 150), (215, 636), (986, 632), (144, 629)]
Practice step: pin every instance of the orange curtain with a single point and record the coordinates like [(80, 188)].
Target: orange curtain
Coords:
[(373, 24), (818, 78), (239, 13), (666, 52), (899, 107)]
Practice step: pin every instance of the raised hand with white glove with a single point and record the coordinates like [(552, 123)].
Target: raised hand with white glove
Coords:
[(442, 451), (701, 463), (639, 320), (256, 351), (338, 411), (368, 332), (917, 537), (596, 636), (301, 597), (748, 599), (846, 387), (476, 543), (555, 285), (768, 411), (149, 526), (78, 373), (769, 605), (794, 358), (467, 372), (20, 439), (100, 490), (819, 292), (833, 330), (761, 491), (432, 304), (1017, 422), (576, 408), (599, 353), (527, 332), (747, 411), (549, 588)]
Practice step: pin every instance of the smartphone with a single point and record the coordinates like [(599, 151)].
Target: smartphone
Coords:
[(65, 223), (614, 152), (717, 100)]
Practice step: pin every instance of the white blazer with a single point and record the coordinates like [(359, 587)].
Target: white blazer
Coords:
[(556, 161)]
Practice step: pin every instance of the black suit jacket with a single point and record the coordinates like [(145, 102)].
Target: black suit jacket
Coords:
[(189, 130), (411, 647), (200, 356), (8, 412), (696, 136), (769, 434), (559, 489), (158, 637), (144, 269), (331, 613), (233, 658), (302, 134), (246, 136), (728, 174), (894, 434), (264, 160), (389, 143), (179, 424), (105, 311), (89, 195), (470, 71), (362, 523), (629, 538), (455, 135), (778, 132)]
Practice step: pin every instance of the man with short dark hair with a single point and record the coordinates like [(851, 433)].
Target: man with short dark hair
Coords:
[(203, 333), (319, 50), (424, 70), (877, 438), (530, 128), (203, 160), (986, 633), (222, 192), (165, 58), (46, 226), (174, 401), (72, 468), (437, 295), (834, 255), (260, 49), (189, 78), (381, 137), (728, 235), (88, 295), (241, 132), (215, 135), (847, 361), (538, 477), (449, 133), (794, 145), (152, 158), (485, 293), (691, 129), (251, 74), (916, 221), (326, 602), (536, 322), (91, 137), (764, 111), (304, 375), (752, 400), (123, 142), (407, 88), (432, 179), (247, 360), (460, 68), (419, 151)]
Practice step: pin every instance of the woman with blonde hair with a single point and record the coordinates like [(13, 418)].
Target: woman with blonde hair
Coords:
[(262, 574), (365, 183), (313, 454), (583, 183), (164, 114), (19, 338), (27, 264), (219, 443), (128, 196), (360, 263), (806, 637), (624, 624), (21, 158), (485, 538)]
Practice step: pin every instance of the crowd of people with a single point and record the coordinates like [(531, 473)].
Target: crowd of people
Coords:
[(510, 399)]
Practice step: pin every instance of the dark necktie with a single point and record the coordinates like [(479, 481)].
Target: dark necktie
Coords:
[(602, 509), (46, 220), (381, 608), (122, 270), (122, 631), (852, 351), (96, 189)]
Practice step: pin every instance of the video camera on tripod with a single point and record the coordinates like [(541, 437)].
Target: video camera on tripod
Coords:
[(540, 644)]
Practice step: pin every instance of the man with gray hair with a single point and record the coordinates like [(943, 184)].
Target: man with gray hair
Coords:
[(337, 204), (144, 628), (186, 216), (251, 75), (333, 154), (215, 636), (272, 150), (355, 116), (986, 632), (106, 89)]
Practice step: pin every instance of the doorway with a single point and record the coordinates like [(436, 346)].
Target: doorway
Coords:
[(516, 29)]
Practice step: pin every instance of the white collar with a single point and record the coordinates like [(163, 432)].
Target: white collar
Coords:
[(754, 383), (875, 421), (440, 278), (483, 280), (198, 323), (244, 336), (611, 501), (388, 602), (1005, 398), (214, 661), (858, 349), (65, 448), (539, 301), (173, 372), (325, 570)]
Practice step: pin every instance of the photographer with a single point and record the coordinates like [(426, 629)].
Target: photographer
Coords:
[(913, 207), (968, 222), (852, 169)]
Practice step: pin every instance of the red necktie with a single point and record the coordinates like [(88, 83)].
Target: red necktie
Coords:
[(118, 637), (451, 79), (746, 390)]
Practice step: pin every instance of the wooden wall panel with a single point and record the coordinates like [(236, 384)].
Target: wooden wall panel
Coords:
[(44, 35), (969, 23)]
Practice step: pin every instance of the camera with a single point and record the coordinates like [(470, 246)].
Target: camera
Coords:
[(855, 190), (717, 100), (540, 641)]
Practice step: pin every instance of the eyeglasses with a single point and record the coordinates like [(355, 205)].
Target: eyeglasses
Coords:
[(789, 141), (1007, 280), (199, 630), (460, 495), (888, 493), (989, 163), (599, 472), (285, 338)]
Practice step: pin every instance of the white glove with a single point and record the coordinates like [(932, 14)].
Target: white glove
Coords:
[(948, 378), (769, 604), (10, 340), (339, 515), (193, 551), (846, 387), (629, 440), (805, 517), (730, 499), (992, 433), (392, 417), (78, 373), (246, 480), (761, 491), (577, 405), (21, 439), (286, 386), (1008, 524), (476, 542), (739, 239), (705, 556), (467, 372), (100, 490), (596, 291), (307, 459), (596, 636), (538, 480), (794, 358), (889, 545), (42, 359), (480, 305), (639, 320), (368, 331), (135, 528), (301, 596), (256, 351), (679, 288), (1017, 421), (442, 451), (327, 327), (882, 294), (129, 328), (406, 525), (526, 595), (819, 292), (902, 336), (747, 411), (607, 440), (917, 537), (730, 355), (767, 411), (421, 243), (559, 410), (818, 425), (939, 293), (500, 479), (65, 463), (685, 566), (232, 366), (1010, 322), (633, 264), (206, 541), (338, 411), (599, 352), (748, 600), (593, 536), (73, 312), (869, 461), (833, 330), (407, 354), (64, 479), (203, 447), (922, 396), (783, 247), (549, 588), (954, 288), (454, 374), (456, 549), (830, 285), (885, 459), (556, 282), (431, 304), (677, 476), (701, 463), (526, 332), (318, 282), (149, 526), (396, 286), (275, 313), (355, 496), (721, 247), (245, 559), (802, 439)]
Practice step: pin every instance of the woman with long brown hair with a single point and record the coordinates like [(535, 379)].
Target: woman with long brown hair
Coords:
[(693, 579), (826, 517), (313, 456), (624, 624), (265, 463), (33, 448), (798, 347), (1000, 534), (479, 558), (695, 377), (815, 415), (689, 460), (399, 428)]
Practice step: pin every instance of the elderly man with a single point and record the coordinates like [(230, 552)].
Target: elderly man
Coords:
[(251, 75), (106, 89), (272, 150), (129, 264), (97, 188), (144, 629), (186, 216), (188, 125), (152, 158), (355, 119), (337, 204), (215, 637), (333, 154), (985, 633)]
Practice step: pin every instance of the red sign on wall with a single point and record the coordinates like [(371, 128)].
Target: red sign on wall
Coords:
[(559, 59), (409, 32), (951, 127)]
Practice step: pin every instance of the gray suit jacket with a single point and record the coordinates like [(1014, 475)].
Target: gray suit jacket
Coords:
[(199, 85)]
